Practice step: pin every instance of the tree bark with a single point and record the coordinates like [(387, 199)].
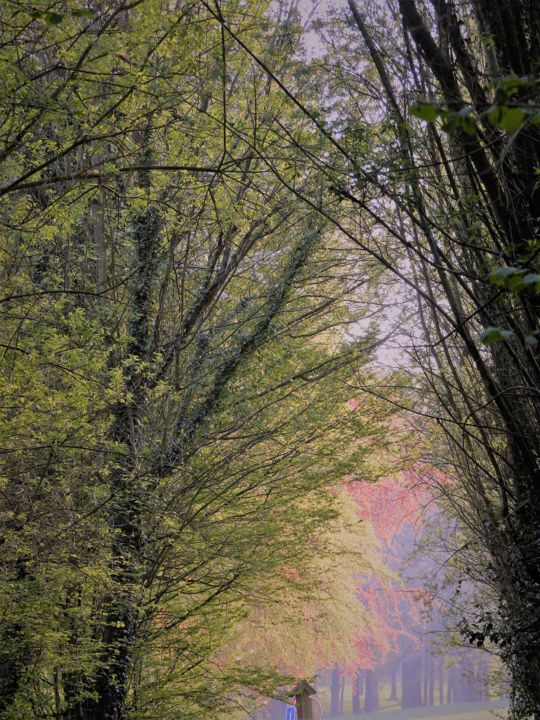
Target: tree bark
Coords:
[(335, 692), (393, 681), (356, 692), (371, 700), (411, 680)]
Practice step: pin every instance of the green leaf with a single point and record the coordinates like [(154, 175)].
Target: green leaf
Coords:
[(514, 279), (514, 284), (510, 84), (492, 335), (502, 275), (82, 12), (531, 341), (532, 280), (467, 121), (452, 122), (506, 118), (463, 119), (424, 110), (53, 18)]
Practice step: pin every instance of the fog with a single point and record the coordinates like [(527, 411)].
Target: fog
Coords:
[(410, 659)]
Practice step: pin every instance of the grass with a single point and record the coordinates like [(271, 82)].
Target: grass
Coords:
[(465, 711)]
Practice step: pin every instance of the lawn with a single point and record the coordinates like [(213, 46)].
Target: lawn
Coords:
[(465, 711)]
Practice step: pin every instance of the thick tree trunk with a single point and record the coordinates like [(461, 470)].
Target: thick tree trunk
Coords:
[(393, 681), (431, 680), (371, 700), (411, 680), (482, 681), (425, 679), (15, 657), (15, 651), (468, 682), (121, 606), (505, 173), (335, 692), (356, 692), (450, 686)]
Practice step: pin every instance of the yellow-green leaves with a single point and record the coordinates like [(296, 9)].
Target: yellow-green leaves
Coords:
[(507, 118), (55, 18), (492, 335), (425, 110), (514, 279), (506, 113), (463, 119)]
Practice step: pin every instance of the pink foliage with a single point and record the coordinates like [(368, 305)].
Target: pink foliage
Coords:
[(392, 506), (391, 503)]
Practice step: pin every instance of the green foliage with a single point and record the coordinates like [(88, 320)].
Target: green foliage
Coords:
[(507, 118), (175, 367), (425, 110), (492, 335), (446, 197), (505, 114)]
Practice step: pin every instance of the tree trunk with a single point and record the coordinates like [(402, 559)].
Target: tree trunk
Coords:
[(393, 681), (468, 688), (425, 678), (356, 704), (335, 692), (371, 700), (450, 685), (482, 681), (121, 606), (100, 246), (411, 681)]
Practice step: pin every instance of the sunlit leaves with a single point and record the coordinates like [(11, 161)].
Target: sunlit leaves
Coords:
[(532, 280), (492, 335), (509, 85), (507, 118), (463, 119), (425, 110), (52, 18), (505, 114), (514, 279)]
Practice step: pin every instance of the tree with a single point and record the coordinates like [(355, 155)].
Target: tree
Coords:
[(174, 361), (297, 632), (393, 506), (449, 181)]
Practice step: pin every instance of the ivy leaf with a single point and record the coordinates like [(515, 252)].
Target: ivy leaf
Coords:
[(463, 119), (506, 118), (510, 84), (424, 110), (532, 280), (82, 12), (503, 275), (491, 335), (53, 18), (466, 120), (515, 283), (452, 122)]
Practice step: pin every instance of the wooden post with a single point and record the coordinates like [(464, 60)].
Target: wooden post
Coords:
[(302, 694)]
